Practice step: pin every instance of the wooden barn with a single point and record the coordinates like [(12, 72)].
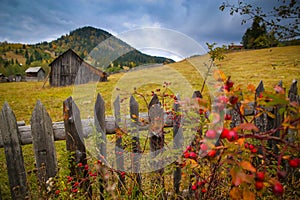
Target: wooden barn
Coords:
[(35, 74), (69, 69)]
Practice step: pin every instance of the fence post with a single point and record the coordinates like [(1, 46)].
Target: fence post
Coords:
[(177, 142), (277, 123), (260, 121), (99, 120), (293, 97), (74, 142), (156, 125), (136, 148), (43, 143), (119, 149), (13, 153), (293, 92)]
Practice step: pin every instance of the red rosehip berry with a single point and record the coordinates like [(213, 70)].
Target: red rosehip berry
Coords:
[(251, 146), (192, 155), (232, 136), (211, 134), (123, 174), (203, 147), (201, 111), (203, 190), (212, 153), (254, 150), (259, 185), (278, 189), (260, 176), (57, 192), (194, 187), (246, 145), (227, 88), (227, 117), (294, 162), (188, 148), (200, 183), (223, 99), (186, 154), (233, 99), (229, 83), (224, 133)]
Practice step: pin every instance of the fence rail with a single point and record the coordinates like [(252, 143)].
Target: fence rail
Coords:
[(43, 132)]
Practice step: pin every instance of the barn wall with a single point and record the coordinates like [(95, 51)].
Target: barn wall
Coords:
[(67, 67)]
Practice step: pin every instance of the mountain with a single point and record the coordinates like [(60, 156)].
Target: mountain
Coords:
[(97, 46)]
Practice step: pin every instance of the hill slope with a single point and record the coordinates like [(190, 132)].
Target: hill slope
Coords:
[(82, 41)]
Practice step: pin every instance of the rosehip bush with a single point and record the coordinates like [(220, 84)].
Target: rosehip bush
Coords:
[(248, 161)]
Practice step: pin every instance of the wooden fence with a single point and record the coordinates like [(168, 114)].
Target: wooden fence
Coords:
[(43, 132)]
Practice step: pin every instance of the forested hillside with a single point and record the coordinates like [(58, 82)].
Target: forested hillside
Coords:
[(16, 58)]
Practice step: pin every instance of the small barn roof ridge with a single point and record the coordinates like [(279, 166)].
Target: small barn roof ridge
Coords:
[(34, 69), (69, 50)]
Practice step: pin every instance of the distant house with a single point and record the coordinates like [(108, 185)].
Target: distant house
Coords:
[(69, 68), (3, 78), (35, 74), (235, 47)]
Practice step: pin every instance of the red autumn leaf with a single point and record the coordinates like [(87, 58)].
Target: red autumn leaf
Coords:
[(248, 126), (237, 176)]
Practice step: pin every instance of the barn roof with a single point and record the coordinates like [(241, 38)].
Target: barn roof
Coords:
[(69, 50), (34, 69), (85, 64)]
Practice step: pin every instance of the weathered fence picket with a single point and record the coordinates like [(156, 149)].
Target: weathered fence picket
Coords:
[(99, 120), (177, 142), (43, 143), (119, 149), (42, 133), (75, 142), (136, 147), (156, 125), (13, 153)]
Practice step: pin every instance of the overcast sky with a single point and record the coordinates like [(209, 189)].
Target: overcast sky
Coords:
[(32, 21)]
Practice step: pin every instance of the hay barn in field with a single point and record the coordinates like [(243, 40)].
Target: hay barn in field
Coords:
[(35, 74), (69, 69)]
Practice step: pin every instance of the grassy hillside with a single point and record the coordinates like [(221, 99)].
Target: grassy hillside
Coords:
[(270, 65)]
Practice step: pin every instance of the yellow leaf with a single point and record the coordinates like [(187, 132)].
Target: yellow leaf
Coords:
[(270, 114), (192, 163), (286, 157), (241, 142), (247, 166), (219, 75), (134, 116), (251, 87), (235, 193), (242, 109), (247, 194)]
